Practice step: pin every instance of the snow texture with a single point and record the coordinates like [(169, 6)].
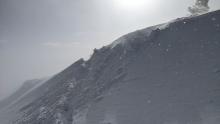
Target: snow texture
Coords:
[(164, 74)]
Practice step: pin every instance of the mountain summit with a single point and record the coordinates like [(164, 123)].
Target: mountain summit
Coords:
[(164, 74)]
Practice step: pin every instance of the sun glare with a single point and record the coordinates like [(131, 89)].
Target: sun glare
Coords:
[(135, 4)]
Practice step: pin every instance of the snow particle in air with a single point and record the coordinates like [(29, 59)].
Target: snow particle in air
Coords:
[(149, 101), (195, 29), (159, 44), (83, 64), (213, 19), (176, 72)]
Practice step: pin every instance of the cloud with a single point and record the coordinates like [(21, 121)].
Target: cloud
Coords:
[(3, 43), (51, 44), (200, 7), (60, 44)]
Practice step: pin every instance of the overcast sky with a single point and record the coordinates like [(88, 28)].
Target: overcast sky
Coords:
[(39, 38)]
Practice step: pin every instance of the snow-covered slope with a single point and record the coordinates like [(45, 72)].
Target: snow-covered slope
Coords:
[(24, 88), (166, 74), (10, 103)]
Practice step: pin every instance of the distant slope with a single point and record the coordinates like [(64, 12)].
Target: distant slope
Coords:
[(22, 90), (14, 98), (165, 74)]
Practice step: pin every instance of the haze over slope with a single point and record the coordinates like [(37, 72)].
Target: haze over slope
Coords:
[(163, 74), (21, 91)]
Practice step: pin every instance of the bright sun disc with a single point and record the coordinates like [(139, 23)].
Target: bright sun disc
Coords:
[(134, 4)]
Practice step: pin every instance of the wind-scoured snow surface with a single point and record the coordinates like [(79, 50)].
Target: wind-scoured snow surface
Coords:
[(166, 74)]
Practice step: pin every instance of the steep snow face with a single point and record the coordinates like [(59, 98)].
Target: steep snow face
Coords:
[(166, 74), (172, 80)]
